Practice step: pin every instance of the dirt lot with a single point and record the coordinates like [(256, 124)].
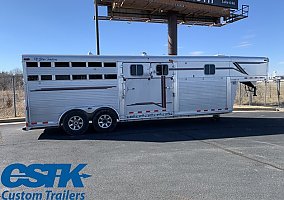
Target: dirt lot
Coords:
[(266, 95), (9, 84), (7, 104)]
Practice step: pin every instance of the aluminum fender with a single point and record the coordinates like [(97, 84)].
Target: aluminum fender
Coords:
[(89, 110)]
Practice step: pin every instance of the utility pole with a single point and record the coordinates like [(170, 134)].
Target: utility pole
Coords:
[(97, 27)]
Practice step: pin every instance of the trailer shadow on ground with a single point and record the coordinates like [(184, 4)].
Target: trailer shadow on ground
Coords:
[(179, 130)]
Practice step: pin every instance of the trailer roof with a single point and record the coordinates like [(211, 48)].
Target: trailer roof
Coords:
[(121, 57)]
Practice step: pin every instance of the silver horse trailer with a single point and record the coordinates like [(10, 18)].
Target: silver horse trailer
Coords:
[(72, 91)]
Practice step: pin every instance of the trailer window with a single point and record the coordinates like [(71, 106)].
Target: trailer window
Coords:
[(46, 77), (79, 77), (136, 70), (110, 64), (32, 64), (79, 64), (95, 76), (62, 77), (45, 64), (61, 64), (209, 69), (110, 76), (95, 64), (33, 78), (162, 70)]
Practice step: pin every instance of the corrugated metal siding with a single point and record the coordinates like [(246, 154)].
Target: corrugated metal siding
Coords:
[(202, 94), (49, 105)]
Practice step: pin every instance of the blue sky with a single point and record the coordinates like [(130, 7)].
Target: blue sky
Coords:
[(66, 27)]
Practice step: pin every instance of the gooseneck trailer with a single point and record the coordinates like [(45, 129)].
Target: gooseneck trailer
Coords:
[(72, 91)]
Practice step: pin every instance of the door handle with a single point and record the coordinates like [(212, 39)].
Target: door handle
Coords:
[(130, 89)]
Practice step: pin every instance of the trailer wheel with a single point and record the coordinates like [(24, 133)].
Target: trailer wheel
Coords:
[(75, 123), (105, 120)]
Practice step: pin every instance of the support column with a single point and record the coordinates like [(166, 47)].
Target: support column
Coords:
[(97, 27), (172, 34)]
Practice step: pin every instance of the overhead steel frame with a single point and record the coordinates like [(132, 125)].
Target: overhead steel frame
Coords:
[(172, 18)]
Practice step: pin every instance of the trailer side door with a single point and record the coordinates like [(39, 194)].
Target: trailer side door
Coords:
[(148, 93)]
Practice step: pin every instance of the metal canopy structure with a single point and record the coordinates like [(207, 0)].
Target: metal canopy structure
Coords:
[(188, 12), (156, 11)]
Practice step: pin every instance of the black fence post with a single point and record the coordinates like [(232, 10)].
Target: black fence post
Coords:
[(14, 96), (278, 81)]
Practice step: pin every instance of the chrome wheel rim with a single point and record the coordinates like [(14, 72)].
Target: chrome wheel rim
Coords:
[(75, 123), (104, 121)]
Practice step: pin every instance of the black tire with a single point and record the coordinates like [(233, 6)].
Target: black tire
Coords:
[(75, 123), (105, 120)]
